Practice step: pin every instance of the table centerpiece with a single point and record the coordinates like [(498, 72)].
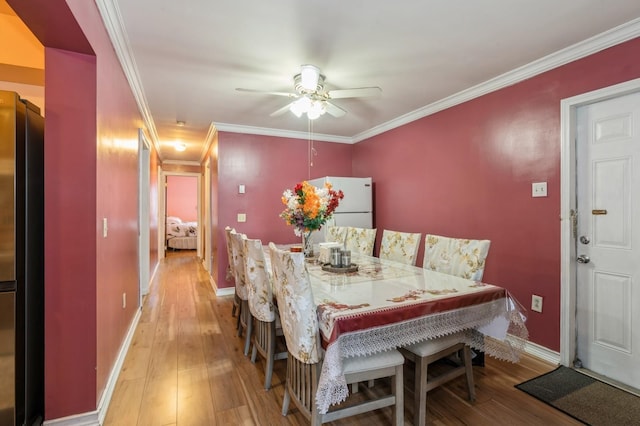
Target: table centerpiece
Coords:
[(308, 208)]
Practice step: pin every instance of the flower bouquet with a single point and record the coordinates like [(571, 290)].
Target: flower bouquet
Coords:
[(308, 208)]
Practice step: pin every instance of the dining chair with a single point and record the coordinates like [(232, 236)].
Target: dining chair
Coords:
[(456, 256), (266, 321), (304, 360), (335, 234), (400, 246), (231, 272), (463, 258), (361, 240), (244, 315)]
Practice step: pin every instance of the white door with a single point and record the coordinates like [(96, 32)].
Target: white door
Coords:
[(608, 238)]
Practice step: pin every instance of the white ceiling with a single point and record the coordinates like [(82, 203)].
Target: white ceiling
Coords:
[(188, 57)]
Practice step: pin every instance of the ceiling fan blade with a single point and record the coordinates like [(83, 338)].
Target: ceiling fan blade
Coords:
[(334, 110), (359, 92), (281, 110), (265, 92)]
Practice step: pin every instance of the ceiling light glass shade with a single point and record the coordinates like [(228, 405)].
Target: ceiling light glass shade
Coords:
[(300, 106), (180, 146), (309, 75), (316, 110), (304, 105)]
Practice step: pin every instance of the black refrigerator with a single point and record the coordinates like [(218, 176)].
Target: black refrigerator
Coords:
[(21, 261)]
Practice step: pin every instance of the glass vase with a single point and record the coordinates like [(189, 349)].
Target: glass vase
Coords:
[(307, 244)]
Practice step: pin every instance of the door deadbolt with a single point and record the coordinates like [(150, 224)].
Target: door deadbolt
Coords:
[(584, 240)]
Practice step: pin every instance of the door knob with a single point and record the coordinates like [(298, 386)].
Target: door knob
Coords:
[(583, 258)]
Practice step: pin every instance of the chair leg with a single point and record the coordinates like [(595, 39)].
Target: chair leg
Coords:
[(247, 339), (254, 353), (397, 386), (239, 320), (420, 408), (285, 401), (236, 304), (468, 368), (271, 353)]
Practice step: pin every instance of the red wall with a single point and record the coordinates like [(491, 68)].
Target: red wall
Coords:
[(182, 197), (467, 172), (267, 166), (70, 233)]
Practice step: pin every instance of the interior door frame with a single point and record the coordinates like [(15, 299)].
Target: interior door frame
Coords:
[(144, 151), (162, 210), (568, 202)]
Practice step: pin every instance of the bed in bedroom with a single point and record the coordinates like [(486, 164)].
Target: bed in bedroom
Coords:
[(181, 235)]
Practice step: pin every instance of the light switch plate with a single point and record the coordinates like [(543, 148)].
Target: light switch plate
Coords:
[(104, 227), (241, 189), (539, 189), (536, 303), (242, 217)]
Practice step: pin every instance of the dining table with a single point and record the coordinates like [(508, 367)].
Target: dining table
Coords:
[(379, 305)]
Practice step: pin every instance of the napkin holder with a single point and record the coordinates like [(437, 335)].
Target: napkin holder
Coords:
[(325, 251)]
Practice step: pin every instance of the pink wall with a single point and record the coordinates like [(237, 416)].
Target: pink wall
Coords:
[(467, 172), (266, 166), (91, 134), (182, 197)]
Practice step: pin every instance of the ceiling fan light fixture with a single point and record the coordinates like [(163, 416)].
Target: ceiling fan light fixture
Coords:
[(309, 75), (305, 105)]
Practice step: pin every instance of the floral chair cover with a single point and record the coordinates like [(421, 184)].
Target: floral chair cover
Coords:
[(454, 256), (238, 264), (230, 272), (400, 246), (361, 240), (258, 284), (335, 234), (295, 304)]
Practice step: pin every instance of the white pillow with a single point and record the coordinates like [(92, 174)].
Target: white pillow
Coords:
[(173, 219)]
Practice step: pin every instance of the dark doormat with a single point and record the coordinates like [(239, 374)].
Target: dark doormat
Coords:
[(584, 398)]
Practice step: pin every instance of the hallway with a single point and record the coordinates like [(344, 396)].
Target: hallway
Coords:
[(185, 367)]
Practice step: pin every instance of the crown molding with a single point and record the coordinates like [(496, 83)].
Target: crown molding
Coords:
[(112, 20), (610, 38), (265, 131), (208, 140)]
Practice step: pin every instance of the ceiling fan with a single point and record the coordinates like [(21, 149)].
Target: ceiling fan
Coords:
[(311, 96)]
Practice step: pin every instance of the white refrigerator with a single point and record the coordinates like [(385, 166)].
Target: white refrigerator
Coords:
[(356, 208)]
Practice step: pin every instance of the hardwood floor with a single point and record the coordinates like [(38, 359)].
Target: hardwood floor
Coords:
[(185, 367)]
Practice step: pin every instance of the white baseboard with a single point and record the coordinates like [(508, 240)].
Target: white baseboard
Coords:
[(96, 418), (227, 291), (85, 419), (153, 274), (543, 353)]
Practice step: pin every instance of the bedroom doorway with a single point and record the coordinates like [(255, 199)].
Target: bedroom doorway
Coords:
[(180, 212)]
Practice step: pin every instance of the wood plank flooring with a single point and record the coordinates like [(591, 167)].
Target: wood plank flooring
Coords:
[(185, 366)]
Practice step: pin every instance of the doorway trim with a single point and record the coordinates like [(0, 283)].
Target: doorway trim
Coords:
[(568, 130), (144, 149), (162, 210)]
